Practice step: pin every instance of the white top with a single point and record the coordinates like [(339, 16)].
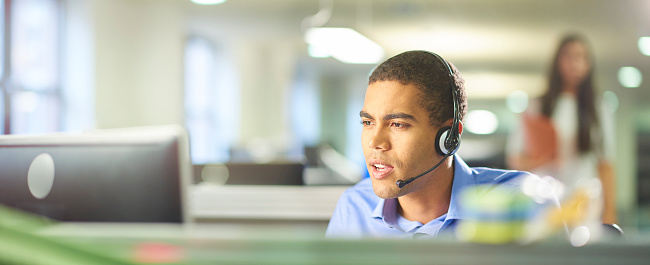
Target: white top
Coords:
[(571, 166)]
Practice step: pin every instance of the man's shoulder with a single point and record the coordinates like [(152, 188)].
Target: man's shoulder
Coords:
[(361, 194), (488, 175), (485, 175), (363, 188), (354, 211)]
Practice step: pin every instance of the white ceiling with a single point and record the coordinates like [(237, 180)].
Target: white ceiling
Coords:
[(496, 36)]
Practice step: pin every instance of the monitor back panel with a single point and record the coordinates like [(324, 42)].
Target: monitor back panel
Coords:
[(265, 174), (111, 182)]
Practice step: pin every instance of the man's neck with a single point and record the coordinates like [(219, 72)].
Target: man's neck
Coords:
[(432, 199)]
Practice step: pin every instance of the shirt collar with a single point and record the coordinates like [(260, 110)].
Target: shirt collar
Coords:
[(379, 209), (387, 211)]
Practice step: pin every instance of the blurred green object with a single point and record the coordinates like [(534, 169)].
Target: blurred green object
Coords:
[(491, 232), (19, 244), (494, 214), (27, 239)]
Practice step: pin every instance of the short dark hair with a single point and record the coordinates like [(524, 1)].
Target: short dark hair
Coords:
[(429, 74)]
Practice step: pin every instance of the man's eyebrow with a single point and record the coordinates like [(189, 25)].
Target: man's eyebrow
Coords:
[(364, 114), (391, 116), (399, 115)]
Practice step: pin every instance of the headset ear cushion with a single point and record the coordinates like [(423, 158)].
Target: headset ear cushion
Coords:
[(441, 139)]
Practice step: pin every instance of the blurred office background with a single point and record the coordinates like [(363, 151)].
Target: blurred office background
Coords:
[(242, 78)]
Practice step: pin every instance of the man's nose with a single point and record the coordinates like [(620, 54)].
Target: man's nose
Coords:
[(379, 140)]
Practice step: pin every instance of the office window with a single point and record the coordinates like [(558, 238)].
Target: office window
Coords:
[(305, 107), (30, 70), (3, 105), (211, 102)]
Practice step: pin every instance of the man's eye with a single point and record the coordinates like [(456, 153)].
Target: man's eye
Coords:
[(399, 125), (366, 123)]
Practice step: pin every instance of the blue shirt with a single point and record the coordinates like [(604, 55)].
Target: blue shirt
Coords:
[(360, 213)]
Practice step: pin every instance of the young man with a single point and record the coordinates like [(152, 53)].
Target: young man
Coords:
[(408, 105)]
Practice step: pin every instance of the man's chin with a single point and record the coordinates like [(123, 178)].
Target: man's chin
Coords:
[(385, 191)]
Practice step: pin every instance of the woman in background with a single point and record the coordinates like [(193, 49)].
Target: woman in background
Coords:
[(562, 134)]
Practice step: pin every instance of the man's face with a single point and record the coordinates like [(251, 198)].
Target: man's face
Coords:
[(397, 137)]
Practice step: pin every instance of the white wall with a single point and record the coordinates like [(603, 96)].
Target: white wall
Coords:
[(138, 58), (262, 57), (78, 67), (266, 69)]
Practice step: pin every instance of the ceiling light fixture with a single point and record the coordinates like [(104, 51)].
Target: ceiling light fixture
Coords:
[(644, 45), (482, 122), (208, 2), (630, 76), (344, 44)]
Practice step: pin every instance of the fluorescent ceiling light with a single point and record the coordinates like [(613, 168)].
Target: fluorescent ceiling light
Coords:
[(630, 77), (345, 44), (482, 122), (315, 52), (644, 45), (517, 101), (208, 2)]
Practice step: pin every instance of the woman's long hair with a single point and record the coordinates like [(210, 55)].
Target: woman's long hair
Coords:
[(587, 115)]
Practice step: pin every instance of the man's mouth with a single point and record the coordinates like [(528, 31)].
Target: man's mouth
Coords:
[(380, 169)]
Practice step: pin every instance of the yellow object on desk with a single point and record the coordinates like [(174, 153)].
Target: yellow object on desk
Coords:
[(493, 214)]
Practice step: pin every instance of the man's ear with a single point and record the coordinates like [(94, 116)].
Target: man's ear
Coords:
[(460, 125)]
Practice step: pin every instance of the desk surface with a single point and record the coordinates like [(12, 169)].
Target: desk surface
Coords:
[(227, 244), (27, 239)]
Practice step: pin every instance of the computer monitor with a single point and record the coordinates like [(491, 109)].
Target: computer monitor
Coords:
[(279, 173), (112, 175)]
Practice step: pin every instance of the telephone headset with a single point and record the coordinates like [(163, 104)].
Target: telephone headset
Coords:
[(448, 137)]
